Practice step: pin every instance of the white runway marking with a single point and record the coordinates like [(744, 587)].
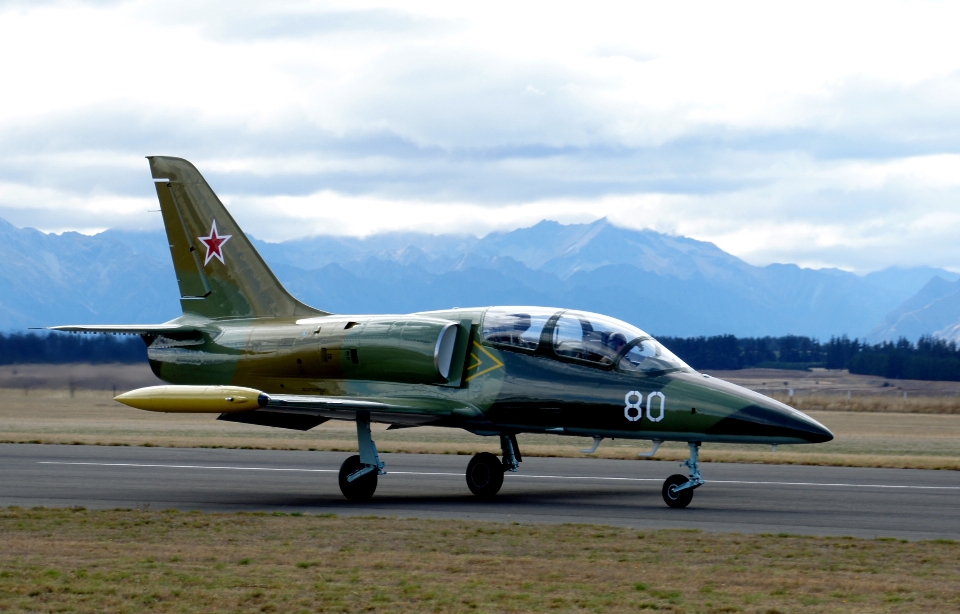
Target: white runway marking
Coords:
[(578, 477), (910, 486), (189, 467), (512, 475)]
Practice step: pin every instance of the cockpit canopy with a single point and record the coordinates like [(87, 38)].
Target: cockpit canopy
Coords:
[(578, 336)]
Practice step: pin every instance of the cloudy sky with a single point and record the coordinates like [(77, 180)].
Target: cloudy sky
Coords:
[(826, 134)]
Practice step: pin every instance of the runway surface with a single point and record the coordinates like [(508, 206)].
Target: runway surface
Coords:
[(903, 503)]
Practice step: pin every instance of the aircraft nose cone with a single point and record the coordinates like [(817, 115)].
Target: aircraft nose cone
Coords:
[(776, 420), (770, 421), (810, 429)]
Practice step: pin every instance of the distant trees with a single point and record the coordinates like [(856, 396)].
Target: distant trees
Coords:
[(21, 348), (928, 359), (730, 352), (724, 352)]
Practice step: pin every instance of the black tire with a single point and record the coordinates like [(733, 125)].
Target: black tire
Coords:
[(680, 499), (485, 475), (362, 488)]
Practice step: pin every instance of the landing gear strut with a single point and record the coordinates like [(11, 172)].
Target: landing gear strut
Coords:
[(485, 471), (677, 489), (358, 474), (511, 453)]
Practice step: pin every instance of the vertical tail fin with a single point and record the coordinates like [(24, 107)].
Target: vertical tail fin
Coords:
[(219, 271)]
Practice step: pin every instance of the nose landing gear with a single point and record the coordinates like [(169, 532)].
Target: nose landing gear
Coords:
[(678, 490)]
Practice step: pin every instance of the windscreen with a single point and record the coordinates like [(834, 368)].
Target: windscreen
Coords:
[(604, 340), (648, 355)]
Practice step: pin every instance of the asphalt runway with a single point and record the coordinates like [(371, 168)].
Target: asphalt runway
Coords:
[(909, 504)]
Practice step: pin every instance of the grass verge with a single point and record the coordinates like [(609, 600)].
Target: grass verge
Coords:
[(135, 561)]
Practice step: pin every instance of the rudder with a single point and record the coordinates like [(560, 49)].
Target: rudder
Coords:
[(220, 273)]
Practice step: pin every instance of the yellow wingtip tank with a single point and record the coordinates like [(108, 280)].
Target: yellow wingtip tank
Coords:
[(194, 399)]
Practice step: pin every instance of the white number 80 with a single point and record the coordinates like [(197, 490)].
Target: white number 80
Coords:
[(633, 410)]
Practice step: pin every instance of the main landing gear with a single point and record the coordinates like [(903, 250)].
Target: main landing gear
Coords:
[(485, 471), (358, 474), (678, 490)]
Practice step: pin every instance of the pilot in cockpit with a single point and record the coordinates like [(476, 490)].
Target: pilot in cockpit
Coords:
[(612, 345), (615, 342)]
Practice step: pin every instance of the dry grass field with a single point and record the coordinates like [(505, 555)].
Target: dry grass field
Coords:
[(142, 561), (876, 427), (823, 390), (73, 377)]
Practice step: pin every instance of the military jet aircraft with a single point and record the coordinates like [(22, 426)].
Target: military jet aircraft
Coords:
[(248, 350)]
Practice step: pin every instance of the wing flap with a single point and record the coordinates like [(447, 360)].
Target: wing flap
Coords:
[(276, 419), (346, 408)]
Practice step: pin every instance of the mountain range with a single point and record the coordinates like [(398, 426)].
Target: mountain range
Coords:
[(933, 310), (667, 285)]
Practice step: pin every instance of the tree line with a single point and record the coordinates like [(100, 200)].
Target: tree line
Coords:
[(58, 348), (927, 359)]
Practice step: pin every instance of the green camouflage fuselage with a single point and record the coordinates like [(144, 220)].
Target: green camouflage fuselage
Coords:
[(490, 390)]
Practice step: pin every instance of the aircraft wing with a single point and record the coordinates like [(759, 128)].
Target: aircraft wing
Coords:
[(347, 407), (303, 412)]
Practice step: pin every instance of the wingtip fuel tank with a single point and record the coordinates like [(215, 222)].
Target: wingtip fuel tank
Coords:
[(194, 399)]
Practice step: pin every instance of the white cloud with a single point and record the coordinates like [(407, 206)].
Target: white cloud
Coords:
[(813, 132)]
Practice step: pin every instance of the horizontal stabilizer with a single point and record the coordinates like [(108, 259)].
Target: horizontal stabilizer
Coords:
[(126, 329)]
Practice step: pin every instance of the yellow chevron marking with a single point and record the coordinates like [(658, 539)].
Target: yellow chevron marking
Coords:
[(478, 361)]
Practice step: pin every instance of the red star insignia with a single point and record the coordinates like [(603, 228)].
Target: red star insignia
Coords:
[(214, 243)]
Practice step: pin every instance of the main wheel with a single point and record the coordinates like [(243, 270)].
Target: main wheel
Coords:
[(485, 475), (362, 488), (672, 497)]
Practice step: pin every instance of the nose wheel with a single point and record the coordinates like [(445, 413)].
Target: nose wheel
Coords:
[(678, 490), (672, 496)]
